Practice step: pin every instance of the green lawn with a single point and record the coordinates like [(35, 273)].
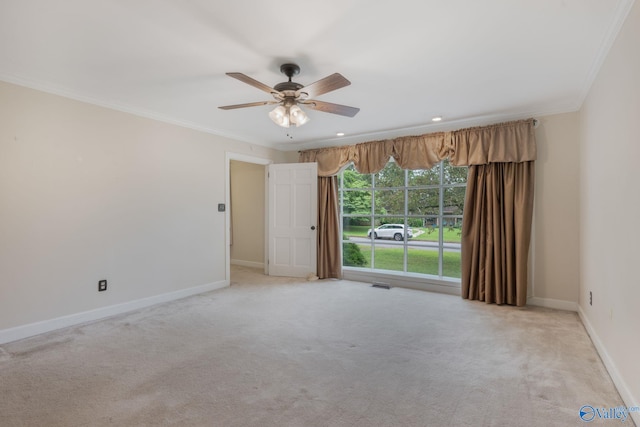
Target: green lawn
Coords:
[(418, 261), (451, 235)]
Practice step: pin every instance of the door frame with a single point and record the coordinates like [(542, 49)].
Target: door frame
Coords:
[(229, 156)]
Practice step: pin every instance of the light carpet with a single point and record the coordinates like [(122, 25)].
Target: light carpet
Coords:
[(283, 352)]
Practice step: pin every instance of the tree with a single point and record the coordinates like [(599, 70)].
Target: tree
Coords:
[(423, 192), (390, 201), (454, 174), (454, 196), (356, 202), (421, 201)]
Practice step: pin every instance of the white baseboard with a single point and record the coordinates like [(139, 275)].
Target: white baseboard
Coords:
[(558, 304), (610, 365), (243, 263), (31, 329)]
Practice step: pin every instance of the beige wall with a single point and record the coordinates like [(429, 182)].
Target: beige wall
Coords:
[(556, 228), (610, 210), (248, 213), (88, 193)]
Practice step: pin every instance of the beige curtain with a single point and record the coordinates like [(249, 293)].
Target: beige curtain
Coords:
[(329, 160), (499, 202), (496, 232), (498, 210), (410, 152), (329, 262), (512, 142), (421, 152)]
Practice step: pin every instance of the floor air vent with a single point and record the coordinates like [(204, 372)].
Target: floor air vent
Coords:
[(381, 285)]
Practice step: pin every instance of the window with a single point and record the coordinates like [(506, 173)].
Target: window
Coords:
[(403, 221)]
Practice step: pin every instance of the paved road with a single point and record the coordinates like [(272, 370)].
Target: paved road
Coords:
[(417, 244)]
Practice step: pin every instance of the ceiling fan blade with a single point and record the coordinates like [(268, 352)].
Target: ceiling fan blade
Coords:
[(329, 107), (328, 84), (250, 104), (248, 80)]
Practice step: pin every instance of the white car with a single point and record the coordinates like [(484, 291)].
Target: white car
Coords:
[(390, 231)]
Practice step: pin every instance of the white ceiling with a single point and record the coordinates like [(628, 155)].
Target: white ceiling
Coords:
[(471, 62)]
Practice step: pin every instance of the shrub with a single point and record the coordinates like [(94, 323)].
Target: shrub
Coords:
[(415, 222), (352, 256)]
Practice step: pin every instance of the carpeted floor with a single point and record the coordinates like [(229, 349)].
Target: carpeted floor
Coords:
[(282, 352)]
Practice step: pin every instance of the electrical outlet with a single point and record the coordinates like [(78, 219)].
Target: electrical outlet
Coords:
[(590, 298), (102, 285)]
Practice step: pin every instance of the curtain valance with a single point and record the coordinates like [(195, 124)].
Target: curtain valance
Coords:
[(512, 142)]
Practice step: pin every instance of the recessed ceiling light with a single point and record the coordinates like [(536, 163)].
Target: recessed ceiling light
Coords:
[(340, 134), (436, 119)]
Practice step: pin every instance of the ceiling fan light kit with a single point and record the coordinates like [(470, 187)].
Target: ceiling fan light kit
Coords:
[(288, 114), (289, 95)]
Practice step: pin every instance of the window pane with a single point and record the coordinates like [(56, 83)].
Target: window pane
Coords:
[(355, 226), (388, 257), (389, 202), (453, 200), (390, 176), (424, 177), (353, 179), (423, 260), (356, 202), (452, 229), (451, 265), (356, 255), (424, 229), (453, 174), (423, 202)]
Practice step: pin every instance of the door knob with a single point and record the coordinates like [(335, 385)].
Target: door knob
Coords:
[(313, 227)]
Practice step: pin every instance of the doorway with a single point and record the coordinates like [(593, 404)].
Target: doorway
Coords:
[(246, 214)]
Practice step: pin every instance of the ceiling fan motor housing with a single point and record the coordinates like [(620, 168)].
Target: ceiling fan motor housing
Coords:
[(284, 86), (289, 70)]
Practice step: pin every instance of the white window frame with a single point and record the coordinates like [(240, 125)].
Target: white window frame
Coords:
[(410, 279)]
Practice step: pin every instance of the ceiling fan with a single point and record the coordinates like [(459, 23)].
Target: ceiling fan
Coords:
[(289, 95)]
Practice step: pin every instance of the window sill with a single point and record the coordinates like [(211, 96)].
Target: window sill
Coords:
[(403, 280)]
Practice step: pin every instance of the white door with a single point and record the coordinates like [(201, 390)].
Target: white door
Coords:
[(293, 213)]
